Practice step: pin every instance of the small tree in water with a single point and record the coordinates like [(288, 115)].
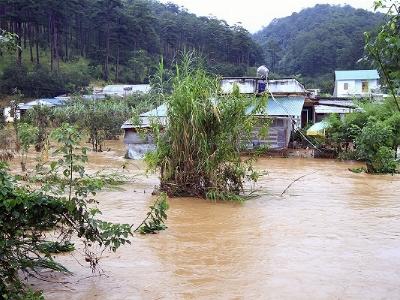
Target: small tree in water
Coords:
[(198, 153)]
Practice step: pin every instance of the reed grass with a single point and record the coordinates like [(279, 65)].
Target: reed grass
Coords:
[(198, 153)]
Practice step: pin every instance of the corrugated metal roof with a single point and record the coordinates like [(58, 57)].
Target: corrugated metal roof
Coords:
[(324, 109), (121, 88), (146, 119), (283, 106), (45, 102), (356, 74), (344, 103), (160, 111), (246, 86)]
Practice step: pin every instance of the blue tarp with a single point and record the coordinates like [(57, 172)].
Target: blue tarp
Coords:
[(318, 129)]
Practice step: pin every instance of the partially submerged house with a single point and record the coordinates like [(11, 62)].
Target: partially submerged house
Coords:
[(283, 115), (137, 137), (290, 106), (286, 96), (356, 83), (349, 85), (282, 112)]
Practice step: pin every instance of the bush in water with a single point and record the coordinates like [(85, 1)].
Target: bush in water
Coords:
[(102, 119), (374, 133), (198, 153), (374, 145)]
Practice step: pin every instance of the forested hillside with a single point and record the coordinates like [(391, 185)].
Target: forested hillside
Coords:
[(65, 44), (316, 41)]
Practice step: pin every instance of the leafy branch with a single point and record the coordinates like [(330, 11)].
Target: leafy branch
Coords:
[(156, 217)]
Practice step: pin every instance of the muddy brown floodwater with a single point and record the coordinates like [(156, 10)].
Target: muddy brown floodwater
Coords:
[(333, 235)]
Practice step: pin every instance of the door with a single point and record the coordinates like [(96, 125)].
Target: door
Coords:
[(364, 86)]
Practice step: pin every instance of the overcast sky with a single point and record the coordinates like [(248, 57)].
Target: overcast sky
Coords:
[(255, 14)]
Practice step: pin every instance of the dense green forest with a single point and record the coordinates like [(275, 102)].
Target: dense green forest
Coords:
[(316, 41), (66, 44)]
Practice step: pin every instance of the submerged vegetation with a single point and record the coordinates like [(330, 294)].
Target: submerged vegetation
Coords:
[(198, 153), (371, 135), (156, 217), (61, 205), (26, 136), (100, 119), (41, 211)]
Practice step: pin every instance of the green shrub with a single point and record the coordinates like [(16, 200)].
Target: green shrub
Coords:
[(383, 161), (102, 119), (342, 133), (40, 116), (27, 136), (156, 217), (374, 131), (374, 145)]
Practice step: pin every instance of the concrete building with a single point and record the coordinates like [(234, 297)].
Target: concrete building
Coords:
[(356, 83)]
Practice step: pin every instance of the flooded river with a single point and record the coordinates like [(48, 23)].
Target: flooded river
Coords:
[(332, 235)]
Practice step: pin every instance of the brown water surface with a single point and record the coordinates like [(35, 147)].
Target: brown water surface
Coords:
[(332, 235)]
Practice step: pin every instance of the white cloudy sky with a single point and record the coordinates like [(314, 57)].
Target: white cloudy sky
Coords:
[(255, 14)]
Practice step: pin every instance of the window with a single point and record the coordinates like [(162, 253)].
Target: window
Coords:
[(346, 86), (364, 86), (277, 123)]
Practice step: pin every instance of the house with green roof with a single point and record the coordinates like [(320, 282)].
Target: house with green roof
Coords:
[(356, 83), (283, 113)]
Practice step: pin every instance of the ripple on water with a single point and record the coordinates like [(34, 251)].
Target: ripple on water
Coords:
[(332, 235)]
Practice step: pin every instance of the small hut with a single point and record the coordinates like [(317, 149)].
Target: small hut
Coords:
[(138, 137)]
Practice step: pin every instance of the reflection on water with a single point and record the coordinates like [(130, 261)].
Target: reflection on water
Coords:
[(332, 235)]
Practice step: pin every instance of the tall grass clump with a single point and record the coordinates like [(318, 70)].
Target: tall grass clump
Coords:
[(198, 152)]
